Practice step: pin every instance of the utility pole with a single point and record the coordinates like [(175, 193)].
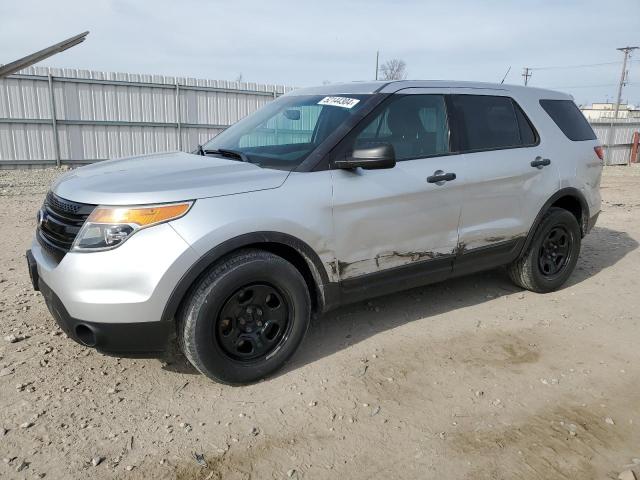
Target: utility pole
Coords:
[(623, 78), (526, 74), (377, 59)]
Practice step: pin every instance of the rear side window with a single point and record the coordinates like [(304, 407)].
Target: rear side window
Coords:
[(528, 135), (569, 119), (485, 122)]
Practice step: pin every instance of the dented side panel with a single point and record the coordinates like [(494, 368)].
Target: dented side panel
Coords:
[(393, 217)]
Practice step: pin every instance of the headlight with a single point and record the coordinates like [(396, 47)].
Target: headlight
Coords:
[(109, 227)]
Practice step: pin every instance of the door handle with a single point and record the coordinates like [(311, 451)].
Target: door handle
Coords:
[(439, 177), (540, 162)]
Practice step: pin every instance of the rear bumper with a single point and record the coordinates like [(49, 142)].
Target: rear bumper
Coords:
[(116, 338)]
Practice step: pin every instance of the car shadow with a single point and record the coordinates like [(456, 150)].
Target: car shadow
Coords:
[(347, 326), (602, 248)]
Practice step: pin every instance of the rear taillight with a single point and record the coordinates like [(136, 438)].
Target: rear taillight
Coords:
[(599, 152)]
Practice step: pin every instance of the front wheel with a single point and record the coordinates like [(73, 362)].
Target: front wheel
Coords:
[(550, 259), (245, 318)]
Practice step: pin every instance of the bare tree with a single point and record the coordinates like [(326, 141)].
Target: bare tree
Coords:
[(394, 69)]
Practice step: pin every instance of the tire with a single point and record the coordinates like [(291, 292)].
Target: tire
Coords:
[(538, 269), (245, 317)]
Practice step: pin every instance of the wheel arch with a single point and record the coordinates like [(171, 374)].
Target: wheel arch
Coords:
[(570, 199), (292, 249)]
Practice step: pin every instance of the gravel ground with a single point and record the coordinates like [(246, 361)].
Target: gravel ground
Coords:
[(472, 378)]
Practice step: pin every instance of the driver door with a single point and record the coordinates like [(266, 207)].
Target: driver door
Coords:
[(393, 224)]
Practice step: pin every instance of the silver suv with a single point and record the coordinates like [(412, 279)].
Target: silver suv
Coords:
[(325, 196)]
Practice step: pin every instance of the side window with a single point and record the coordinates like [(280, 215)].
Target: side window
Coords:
[(486, 122), (569, 119), (527, 134), (416, 126)]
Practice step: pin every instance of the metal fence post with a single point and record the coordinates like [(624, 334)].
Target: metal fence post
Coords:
[(54, 123), (608, 154), (179, 139)]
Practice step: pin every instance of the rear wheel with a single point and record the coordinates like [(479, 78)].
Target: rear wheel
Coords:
[(245, 317), (550, 259)]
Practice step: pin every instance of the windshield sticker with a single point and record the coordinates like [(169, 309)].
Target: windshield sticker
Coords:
[(343, 102)]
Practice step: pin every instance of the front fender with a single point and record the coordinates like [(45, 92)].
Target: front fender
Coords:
[(253, 239)]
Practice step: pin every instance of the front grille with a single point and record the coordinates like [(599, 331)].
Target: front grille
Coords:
[(60, 222)]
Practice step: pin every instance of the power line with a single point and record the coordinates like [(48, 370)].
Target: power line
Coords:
[(587, 86), (586, 65)]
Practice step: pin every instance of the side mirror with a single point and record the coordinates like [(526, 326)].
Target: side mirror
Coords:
[(370, 158)]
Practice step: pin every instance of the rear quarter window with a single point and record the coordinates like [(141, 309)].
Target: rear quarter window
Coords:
[(487, 122), (569, 119)]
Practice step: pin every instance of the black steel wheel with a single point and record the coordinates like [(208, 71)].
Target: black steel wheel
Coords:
[(245, 317), (551, 256), (555, 251), (253, 322)]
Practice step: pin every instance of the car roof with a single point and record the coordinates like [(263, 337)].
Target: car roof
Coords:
[(386, 86)]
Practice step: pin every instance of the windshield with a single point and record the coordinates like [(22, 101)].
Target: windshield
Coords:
[(283, 133)]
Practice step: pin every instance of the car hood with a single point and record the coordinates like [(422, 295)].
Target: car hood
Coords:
[(166, 177)]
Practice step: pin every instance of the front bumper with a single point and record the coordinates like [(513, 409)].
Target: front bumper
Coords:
[(116, 338), (114, 300)]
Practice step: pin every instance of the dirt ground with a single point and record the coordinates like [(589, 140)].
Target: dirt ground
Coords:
[(472, 378)]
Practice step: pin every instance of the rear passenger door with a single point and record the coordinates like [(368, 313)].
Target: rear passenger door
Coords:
[(505, 172)]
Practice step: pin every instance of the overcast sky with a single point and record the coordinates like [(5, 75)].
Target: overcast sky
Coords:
[(302, 43)]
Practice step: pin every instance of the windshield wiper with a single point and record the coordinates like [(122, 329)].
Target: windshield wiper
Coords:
[(225, 152)]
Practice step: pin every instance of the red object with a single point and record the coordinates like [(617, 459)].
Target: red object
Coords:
[(634, 148), (599, 152)]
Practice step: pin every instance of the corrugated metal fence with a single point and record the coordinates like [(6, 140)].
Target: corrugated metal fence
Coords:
[(617, 137), (68, 116)]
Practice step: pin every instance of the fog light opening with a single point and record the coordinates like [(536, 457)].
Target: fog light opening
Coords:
[(86, 335)]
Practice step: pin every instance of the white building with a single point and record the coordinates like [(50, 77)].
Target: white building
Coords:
[(598, 111)]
